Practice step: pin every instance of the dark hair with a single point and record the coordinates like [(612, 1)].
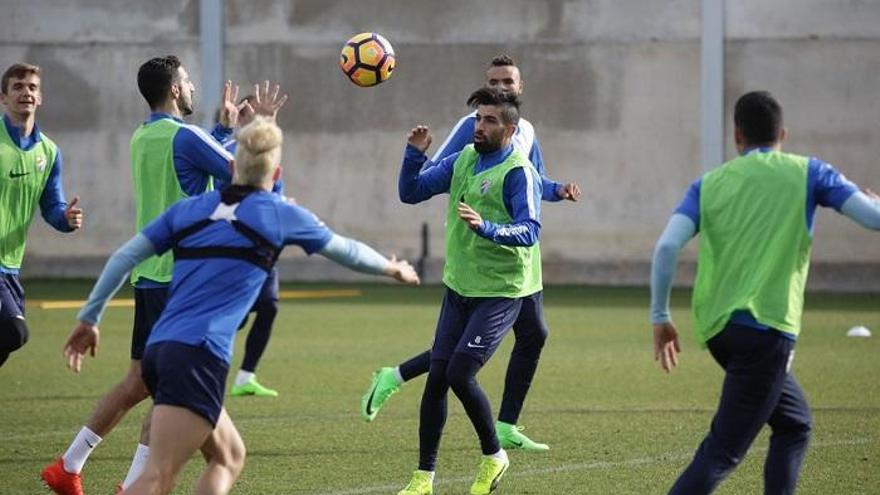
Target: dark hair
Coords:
[(758, 116), (155, 78), (508, 102), (502, 60), (17, 71)]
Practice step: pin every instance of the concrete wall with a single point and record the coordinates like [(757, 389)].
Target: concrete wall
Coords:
[(612, 88)]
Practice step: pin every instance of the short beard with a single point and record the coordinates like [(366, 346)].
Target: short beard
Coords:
[(186, 110), (486, 147)]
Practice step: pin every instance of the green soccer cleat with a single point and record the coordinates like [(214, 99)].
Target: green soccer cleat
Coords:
[(422, 483), (384, 385), (490, 473), (511, 437), (252, 387)]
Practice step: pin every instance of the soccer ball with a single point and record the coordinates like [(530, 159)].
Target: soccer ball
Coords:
[(367, 59)]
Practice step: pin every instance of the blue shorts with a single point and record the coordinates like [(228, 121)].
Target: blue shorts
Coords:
[(185, 376), (473, 325), (11, 297), (148, 307)]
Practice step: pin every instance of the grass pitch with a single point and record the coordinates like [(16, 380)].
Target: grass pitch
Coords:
[(614, 421)]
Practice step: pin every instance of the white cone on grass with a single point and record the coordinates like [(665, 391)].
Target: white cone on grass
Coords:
[(858, 331)]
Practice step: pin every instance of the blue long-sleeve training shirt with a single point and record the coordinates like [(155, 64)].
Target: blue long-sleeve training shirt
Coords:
[(524, 140), (521, 193), (52, 202)]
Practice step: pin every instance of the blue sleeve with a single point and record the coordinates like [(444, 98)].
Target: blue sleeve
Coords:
[(460, 136), (278, 187), (690, 204), (678, 232), (549, 186), (52, 202), (197, 155), (301, 227), (354, 255), (134, 251), (160, 232), (522, 199), (863, 210), (415, 185), (222, 134), (826, 186)]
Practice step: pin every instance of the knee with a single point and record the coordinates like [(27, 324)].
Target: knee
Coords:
[(800, 429), (531, 340), (160, 477), (237, 455), (459, 378), (232, 457), (13, 334), (268, 307)]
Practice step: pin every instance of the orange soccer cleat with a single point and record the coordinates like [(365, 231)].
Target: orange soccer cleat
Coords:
[(60, 481)]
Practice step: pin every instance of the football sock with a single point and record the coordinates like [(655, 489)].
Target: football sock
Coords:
[(138, 463), (243, 377), (80, 449), (501, 455)]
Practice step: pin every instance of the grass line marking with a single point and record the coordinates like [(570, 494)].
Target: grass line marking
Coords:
[(586, 466)]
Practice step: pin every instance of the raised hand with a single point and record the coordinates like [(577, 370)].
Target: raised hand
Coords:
[(73, 214), (229, 110), (420, 137), (666, 346), (402, 271), (266, 102), (466, 213), (569, 192), (84, 337)]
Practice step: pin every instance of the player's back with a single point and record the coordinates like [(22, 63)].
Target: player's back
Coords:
[(212, 291), (754, 242)]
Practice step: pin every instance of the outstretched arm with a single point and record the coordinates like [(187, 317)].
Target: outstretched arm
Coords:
[(864, 209), (362, 258), (84, 337)]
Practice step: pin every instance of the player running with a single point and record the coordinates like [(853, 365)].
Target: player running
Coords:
[(755, 218), (170, 160), (30, 175), (225, 243)]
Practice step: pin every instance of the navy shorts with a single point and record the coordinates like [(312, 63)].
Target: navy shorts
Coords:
[(473, 325), (185, 376), (148, 307), (11, 297)]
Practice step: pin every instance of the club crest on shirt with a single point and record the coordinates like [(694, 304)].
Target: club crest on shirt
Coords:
[(41, 163), (484, 186)]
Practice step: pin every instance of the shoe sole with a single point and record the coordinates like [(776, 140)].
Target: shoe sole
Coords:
[(497, 479)]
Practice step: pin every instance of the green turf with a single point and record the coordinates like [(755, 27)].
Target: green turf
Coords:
[(614, 422)]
